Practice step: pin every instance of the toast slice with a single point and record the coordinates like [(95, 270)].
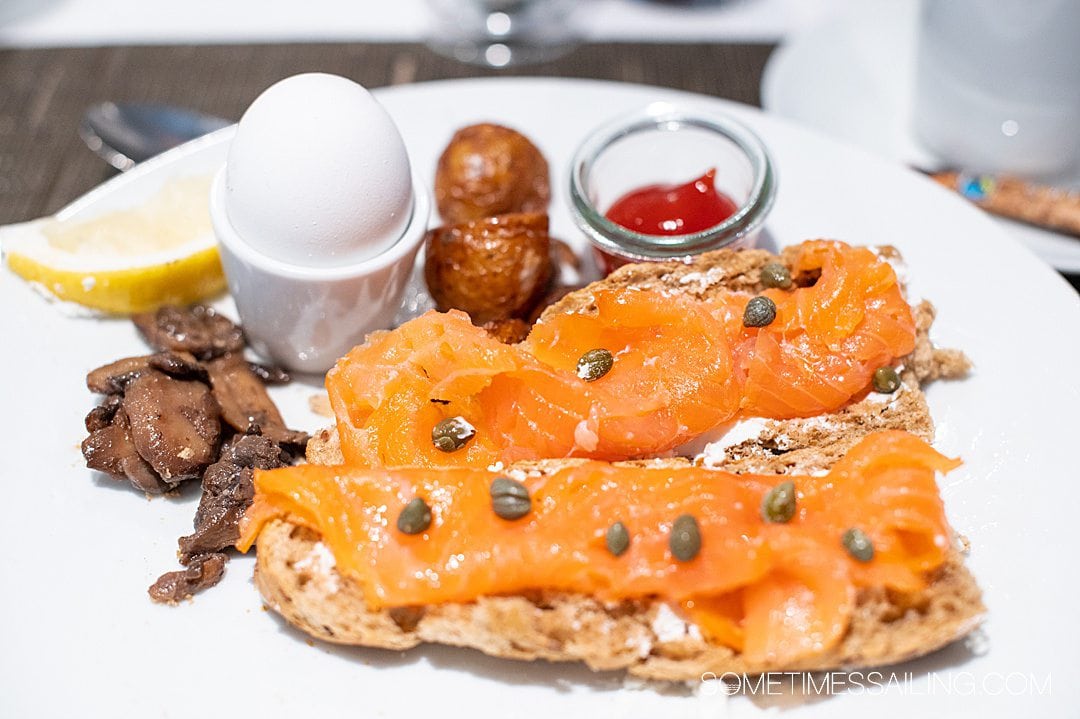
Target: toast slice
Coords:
[(794, 446), (797, 446), (296, 575)]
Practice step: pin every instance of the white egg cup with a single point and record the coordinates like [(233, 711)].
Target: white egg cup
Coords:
[(305, 318)]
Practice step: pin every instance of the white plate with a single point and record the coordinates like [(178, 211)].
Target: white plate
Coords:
[(852, 76), (80, 638)]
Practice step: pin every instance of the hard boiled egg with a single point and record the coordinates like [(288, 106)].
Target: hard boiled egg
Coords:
[(317, 174)]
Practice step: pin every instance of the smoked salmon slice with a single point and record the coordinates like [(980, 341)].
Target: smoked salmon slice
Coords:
[(681, 366), (775, 591)]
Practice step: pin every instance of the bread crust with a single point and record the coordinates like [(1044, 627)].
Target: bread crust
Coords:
[(295, 572)]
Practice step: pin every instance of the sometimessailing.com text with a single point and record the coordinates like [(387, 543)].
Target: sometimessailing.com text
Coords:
[(957, 683)]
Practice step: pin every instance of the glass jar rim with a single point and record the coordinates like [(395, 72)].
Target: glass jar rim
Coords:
[(669, 117)]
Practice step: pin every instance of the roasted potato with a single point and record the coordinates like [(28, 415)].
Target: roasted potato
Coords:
[(490, 170), (494, 268)]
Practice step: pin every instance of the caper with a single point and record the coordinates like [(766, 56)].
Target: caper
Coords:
[(451, 434), (617, 538), (594, 364), (779, 504), (858, 545), (776, 275), (415, 517), (886, 380), (510, 498), (760, 311), (685, 540)]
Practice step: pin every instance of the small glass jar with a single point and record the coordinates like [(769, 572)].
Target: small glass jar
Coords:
[(667, 144)]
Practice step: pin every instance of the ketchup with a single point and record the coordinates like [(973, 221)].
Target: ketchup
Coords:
[(673, 209), (668, 210)]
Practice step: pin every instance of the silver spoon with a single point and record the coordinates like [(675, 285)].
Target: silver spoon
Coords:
[(124, 134)]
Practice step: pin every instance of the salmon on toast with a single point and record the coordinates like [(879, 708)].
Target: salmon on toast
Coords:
[(638, 374), (769, 573)]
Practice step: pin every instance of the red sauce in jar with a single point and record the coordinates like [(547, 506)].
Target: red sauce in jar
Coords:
[(668, 210), (673, 209)]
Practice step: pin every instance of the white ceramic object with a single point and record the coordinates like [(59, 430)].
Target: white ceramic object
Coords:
[(305, 318), (81, 639), (997, 85), (852, 76), (318, 175)]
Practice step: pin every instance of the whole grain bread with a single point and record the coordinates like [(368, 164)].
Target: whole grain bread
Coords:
[(296, 575)]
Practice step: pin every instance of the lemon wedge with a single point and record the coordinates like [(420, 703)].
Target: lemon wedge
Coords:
[(160, 252)]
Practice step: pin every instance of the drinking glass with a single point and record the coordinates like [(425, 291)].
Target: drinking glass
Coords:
[(499, 33)]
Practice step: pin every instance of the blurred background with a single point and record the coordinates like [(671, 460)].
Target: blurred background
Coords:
[(97, 22)]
